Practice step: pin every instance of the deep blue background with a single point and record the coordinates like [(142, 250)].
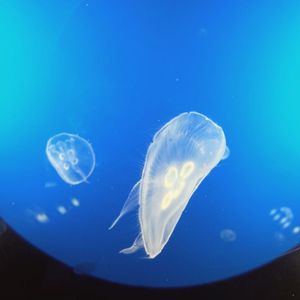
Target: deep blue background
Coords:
[(114, 72)]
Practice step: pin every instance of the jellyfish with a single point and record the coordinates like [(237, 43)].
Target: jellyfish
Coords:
[(228, 235), (181, 155), (72, 157)]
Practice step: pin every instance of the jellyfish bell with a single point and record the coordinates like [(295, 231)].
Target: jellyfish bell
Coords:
[(181, 155), (72, 157)]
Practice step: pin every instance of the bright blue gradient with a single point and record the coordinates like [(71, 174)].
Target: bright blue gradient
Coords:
[(114, 72)]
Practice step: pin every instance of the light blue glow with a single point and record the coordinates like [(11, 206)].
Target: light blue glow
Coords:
[(115, 72)]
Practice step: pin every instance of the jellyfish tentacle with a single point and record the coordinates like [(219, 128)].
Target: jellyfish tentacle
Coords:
[(131, 203), (137, 244)]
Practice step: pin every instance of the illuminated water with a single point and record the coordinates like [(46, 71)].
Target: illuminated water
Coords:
[(114, 72)]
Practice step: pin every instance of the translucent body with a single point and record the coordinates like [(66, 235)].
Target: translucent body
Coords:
[(182, 154), (228, 235), (71, 156)]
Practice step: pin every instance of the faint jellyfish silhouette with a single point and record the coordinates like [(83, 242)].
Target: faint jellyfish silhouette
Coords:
[(279, 237), (181, 155), (72, 157), (228, 235)]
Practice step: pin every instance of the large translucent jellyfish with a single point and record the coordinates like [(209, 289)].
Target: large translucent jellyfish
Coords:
[(181, 155), (71, 156)]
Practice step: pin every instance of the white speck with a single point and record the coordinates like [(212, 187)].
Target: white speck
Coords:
[(286, 225), (276, 217), (273, 211), (228, 235), (75, 202), (296, 229), (283, 220), (42, 218), (62, 210)]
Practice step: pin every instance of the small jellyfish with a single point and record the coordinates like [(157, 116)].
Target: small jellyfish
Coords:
[(62, 210), (72, 157), (296, 229), (75, 202), (42, 217), (228, 235), (181, 155)]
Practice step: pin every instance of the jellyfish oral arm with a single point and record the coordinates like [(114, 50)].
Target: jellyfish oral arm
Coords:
[(137, 244), (131, 203), (81, 174)]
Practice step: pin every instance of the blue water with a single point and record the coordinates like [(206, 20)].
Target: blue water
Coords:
[(114, 72)]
